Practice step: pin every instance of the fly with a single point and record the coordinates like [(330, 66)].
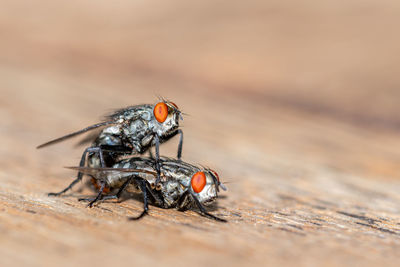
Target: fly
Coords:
[(129, 131), (183, 186)]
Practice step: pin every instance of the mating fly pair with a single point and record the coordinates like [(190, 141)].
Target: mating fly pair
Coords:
[(129, 131)]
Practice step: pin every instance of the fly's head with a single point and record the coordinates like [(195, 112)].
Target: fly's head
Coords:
[(166, 117), (204, 185)]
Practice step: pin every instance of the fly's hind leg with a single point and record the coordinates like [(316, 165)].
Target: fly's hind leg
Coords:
[(82, 164), (120, 191), (143, 188), (99, 195), (151, 194), (103, 198)]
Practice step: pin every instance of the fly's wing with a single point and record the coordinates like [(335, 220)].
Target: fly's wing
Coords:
[(62, 138), (113, 118), (97, 172)]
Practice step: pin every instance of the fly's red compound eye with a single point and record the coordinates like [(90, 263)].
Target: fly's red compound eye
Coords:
[(198, 181), (161, 112), (172, 103)]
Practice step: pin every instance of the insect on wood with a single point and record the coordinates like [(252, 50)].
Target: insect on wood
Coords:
[(129, 131), (183, 186)]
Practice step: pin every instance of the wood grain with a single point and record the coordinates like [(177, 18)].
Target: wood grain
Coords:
[(296, 105)]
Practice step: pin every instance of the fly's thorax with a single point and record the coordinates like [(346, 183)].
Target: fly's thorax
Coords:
[(134, 128), (132, 113), (138, 134), (171, 191)]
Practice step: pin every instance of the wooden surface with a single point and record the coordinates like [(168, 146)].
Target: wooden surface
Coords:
[(296, 105)]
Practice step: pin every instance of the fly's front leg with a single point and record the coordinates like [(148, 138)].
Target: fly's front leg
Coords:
[(82, 164), (143, 188), (204, 212), (180, 144)]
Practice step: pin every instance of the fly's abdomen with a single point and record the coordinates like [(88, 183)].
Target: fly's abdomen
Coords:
[(110, 136)]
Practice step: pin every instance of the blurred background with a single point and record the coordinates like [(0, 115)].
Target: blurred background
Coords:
[(329, 59), (275, 91), (309, 60)]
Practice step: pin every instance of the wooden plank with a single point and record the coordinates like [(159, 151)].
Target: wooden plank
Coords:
[(311, 162)]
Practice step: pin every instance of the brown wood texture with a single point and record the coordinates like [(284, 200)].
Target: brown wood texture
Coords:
[(295, 104)]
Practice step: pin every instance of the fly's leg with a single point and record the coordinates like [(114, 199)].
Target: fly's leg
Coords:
[(151, 154), (99, 195), (183, 201), (116, 196), (120, 191), (155, 198), (103, 198), (143, 188), (82, 164), (108, 197), (180, 144), (204, 212), (157, 159)]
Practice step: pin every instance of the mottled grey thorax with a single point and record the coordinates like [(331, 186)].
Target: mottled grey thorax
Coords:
[(171, 191), (176, 176), (133, 131), (138, 134)]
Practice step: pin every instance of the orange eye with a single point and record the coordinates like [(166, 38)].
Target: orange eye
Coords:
[(161, 112), (198, 181), (172, 103)]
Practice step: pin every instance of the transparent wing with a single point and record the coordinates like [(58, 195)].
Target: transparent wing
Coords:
[(62, 138), (105, 171)]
